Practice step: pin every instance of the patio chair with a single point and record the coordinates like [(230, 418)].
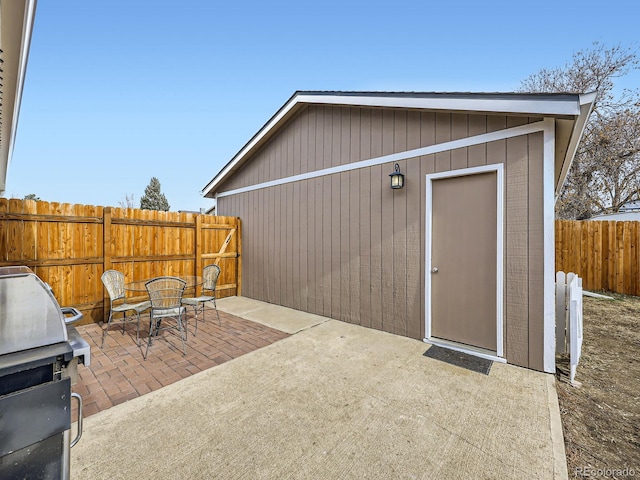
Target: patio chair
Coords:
[(210, 275), (165, 294), (113, 281)]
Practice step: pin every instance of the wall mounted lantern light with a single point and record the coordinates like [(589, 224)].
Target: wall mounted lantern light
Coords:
[(397, 179)]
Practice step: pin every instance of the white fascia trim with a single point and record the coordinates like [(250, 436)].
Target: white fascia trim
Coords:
[(586, 107), (500, 192), (395, 157), (549, 274), (29, 15), (487, 104), (481, 104), (249, 146)]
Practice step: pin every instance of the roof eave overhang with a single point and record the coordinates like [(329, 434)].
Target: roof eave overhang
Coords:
[(563, 106), (586, 104), (461, 102), (16, 27)]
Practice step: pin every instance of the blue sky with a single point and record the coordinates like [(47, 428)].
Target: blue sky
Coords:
[(120, 91)]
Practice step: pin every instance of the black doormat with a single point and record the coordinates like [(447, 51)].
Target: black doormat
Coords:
[(459, 359)]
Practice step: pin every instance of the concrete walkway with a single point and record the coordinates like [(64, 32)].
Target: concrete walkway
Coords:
[(332, 401)]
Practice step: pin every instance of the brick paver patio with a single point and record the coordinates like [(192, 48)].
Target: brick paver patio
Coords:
[(118, 372)]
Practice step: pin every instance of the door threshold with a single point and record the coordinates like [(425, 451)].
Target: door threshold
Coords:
[(459, 347)]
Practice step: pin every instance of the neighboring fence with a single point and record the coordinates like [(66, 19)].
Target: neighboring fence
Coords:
[(70, 246), (603, 253), (569, 318)]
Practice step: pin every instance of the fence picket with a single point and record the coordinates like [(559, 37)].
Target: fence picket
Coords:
[(561, 293), (575, 324), (570, 278)]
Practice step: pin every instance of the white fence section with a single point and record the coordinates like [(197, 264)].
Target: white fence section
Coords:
[(569, 318)]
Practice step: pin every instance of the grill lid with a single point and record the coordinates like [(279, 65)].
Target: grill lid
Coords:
[(30, 316)]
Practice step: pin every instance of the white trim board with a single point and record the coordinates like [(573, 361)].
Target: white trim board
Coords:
[(567, 105), (586, 107), (499, 169), (549, 267), (395, 157), (463, 103)]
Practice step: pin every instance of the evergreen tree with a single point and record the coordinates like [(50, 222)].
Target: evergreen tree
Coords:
[(153, 199)]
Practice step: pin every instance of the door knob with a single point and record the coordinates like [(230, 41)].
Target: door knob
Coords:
[(434, 270)]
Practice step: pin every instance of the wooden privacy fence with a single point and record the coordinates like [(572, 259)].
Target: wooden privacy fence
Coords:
[(70, 246), (603, 253)]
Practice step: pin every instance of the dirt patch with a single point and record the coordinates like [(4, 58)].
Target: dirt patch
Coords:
[(601, 419)]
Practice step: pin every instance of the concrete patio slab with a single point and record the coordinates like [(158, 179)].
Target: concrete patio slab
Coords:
[(281, 318), (332, 401)]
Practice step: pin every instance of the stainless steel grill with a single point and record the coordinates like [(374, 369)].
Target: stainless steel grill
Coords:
[(39, 353)]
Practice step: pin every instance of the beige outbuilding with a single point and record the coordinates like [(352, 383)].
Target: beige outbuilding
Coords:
[(462, 255)]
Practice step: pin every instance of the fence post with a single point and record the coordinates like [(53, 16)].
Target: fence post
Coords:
[(575, 317), (197, 251), (239, 257), (106, 255), (569, 326), (561, 312)]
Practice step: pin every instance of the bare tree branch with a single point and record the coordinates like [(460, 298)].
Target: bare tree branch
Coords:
[(605, 174), (128, 202)]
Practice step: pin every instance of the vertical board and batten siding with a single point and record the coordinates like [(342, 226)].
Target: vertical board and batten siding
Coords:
[(361, 256), (70, 246)]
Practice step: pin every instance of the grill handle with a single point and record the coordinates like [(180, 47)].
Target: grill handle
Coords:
[(79, 434), (76, 315)]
